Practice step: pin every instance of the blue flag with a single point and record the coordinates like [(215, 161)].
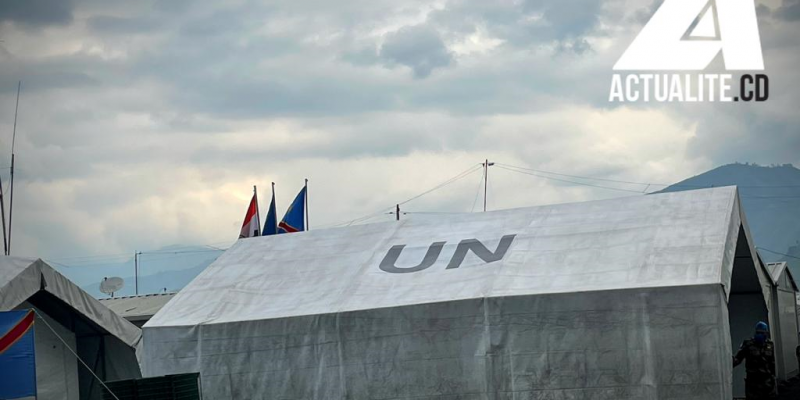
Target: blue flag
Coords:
[(271, 224), (295, 218), (17, 357)]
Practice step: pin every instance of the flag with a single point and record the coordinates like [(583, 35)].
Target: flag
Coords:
[(295, 218), (251, 224), (17, 356), (271, 224)]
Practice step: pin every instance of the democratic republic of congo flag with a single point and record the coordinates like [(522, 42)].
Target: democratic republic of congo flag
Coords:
[(17, 356), (295, 219)]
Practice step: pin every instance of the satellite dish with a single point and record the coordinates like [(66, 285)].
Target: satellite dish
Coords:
[(111, 285)]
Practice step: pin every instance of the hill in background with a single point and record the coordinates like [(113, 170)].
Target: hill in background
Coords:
[(771, 200), (169, 268)]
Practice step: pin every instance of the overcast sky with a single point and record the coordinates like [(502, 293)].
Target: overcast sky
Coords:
[(144, 124)]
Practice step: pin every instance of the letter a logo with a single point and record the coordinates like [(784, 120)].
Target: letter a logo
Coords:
[(668, 43)]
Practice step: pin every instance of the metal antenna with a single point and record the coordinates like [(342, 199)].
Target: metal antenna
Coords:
[(3, 217), (11, 188), (136, 255), (486, 166)]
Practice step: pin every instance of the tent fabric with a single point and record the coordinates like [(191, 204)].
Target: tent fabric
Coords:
[(613, 299), (21, 278), (783, 318), (776, 271), (781, 275), (669, 239), (137, 308)]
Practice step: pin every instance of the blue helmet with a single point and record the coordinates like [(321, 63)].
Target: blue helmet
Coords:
[(762, 327)]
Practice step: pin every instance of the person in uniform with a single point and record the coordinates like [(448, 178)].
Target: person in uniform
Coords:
[(758, 353), (797, 350)]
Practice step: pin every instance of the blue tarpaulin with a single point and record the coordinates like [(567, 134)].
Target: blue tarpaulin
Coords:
[(17, 356)]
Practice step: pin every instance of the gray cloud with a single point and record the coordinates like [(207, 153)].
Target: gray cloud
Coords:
[(419, 47), (107, 24), (789, 10), (567, 18), (37, 13), (167, 113)]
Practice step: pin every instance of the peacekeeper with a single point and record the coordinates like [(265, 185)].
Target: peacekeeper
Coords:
[(759, 356)]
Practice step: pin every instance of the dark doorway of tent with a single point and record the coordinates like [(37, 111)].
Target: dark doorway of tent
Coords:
[(746, 303)]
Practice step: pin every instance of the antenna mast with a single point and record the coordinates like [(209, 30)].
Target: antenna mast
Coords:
[(11, 188), (486, 166), (3, 217)]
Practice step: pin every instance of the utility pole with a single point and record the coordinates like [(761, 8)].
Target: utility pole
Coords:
[(486, 166), (136, 270)]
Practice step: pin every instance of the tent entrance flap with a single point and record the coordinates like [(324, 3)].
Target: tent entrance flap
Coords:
[(746, 305)]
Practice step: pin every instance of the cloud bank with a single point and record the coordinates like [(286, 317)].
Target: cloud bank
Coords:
[(146, 123)]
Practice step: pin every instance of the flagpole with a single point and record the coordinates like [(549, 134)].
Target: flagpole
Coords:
[(258, 214), (308, 225)]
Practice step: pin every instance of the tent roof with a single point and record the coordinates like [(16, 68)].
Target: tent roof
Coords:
[(22, 278), (777, 269), (137, 308), (660, 240)]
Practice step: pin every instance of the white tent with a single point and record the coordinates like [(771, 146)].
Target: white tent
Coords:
[(636, 298), (101, 338), (783, 306), (137, 309)]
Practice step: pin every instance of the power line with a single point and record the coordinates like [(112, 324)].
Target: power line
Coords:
[(445, 183), (212, 246), (777, 252), (576, 176), (523, 170), (96, 261), (572, 182), (643, 183), (382, 211), (478, 191)]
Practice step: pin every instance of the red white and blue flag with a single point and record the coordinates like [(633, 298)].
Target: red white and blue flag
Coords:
[(17, 356), (251, 226), (295, 218)]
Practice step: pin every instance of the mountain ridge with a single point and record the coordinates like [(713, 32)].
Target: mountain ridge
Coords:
[(770, 197)]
